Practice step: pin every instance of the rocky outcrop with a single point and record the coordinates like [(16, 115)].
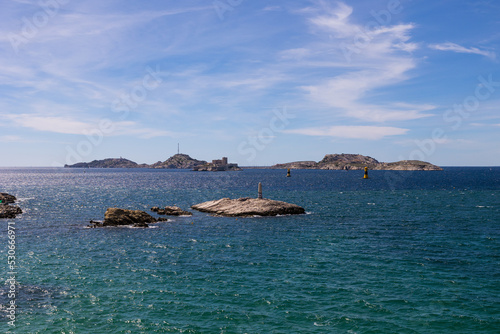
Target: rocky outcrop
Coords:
[(9, 211), (247, 207), (178, 161), (123, 217), (171, 211), (7, 198), (357, 162), (6, 210)]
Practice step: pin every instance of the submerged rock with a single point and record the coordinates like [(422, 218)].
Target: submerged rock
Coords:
[(171, 211), (9, 211), (245, 207)]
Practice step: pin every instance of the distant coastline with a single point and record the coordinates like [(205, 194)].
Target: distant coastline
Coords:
[(329, 162)]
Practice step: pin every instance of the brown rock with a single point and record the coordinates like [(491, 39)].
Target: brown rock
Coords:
[(7, 198), (9, 211), (120, 217)]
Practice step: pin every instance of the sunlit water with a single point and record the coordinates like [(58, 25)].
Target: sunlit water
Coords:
[(401, 252)]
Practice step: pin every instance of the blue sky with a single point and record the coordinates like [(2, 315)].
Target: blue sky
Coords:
[(261, 82)]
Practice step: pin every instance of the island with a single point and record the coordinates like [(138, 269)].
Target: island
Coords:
[(108, 163), (248, 207), (177, 161), (217, 166), (358, 162)]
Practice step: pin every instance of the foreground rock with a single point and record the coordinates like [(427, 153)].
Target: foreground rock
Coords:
[(7, 198), (9, 211), (358, 162), (123, 217), (245, 207), (171, 211)]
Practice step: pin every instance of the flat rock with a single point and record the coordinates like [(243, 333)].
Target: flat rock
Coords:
[(245, 207), (9, 211)]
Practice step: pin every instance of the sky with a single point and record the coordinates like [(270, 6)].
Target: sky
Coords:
[(261, 82)]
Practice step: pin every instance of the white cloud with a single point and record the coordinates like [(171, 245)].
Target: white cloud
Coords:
[(374, 58), (67, 125), (461, 49), (351, 132)]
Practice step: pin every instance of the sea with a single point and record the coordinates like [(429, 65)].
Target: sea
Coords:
[(399, 252)]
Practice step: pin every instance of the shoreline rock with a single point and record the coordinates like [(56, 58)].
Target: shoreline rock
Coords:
[(248, 207)]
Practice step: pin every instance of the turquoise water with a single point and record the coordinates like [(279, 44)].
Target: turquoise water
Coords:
[(401, 252)]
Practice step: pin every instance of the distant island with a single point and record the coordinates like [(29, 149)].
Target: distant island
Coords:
[(330, 161), (356, 162), (177, 161), (217, 166)]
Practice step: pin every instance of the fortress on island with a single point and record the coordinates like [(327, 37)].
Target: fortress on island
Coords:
[(217, 166)]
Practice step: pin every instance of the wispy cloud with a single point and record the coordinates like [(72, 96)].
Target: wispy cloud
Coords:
[(382, 59), (448, 46), (351, 132), (68, 125)]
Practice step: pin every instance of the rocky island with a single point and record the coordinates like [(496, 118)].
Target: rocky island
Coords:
[(248, 207), (108, 163), (357, 162), (177, 161), (217, 166), (7, 210)]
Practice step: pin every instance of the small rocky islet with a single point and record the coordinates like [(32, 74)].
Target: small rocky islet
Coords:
[(248, 207), (6, 209)]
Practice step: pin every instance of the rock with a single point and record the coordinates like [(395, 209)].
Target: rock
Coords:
[(7, 198), (9, 211), (176, 211), (171, 211), (120, 217), (245, 207)]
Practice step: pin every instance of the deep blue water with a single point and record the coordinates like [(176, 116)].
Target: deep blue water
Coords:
[(401, 252)]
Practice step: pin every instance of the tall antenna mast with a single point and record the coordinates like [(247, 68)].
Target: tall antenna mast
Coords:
[(178, 148)]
